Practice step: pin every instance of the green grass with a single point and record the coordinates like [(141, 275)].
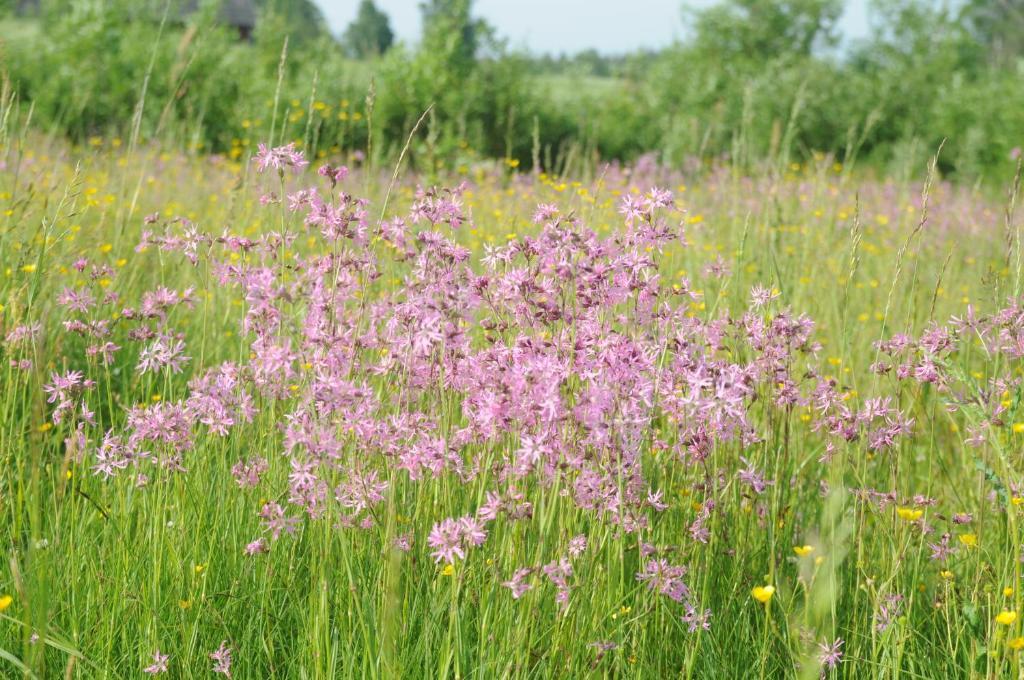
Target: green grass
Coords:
[(105, 572), (566, 88), (18, 30)]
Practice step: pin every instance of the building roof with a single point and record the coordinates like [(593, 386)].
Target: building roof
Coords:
[(238, 13), (241, 13)]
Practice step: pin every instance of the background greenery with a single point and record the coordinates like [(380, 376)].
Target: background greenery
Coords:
[(96, 576), (754, 79)]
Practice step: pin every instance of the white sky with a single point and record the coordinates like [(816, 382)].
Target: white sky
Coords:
[(612, 26)]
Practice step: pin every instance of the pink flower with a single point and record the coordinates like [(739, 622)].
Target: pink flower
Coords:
[(279, 158), (222, 659), (257, 547), (518, 583), (159, 665), (451, 537)]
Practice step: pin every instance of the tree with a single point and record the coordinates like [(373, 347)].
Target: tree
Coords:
[(766, 29), (998, 26), (301, 19), (369, 34), (450, 30)]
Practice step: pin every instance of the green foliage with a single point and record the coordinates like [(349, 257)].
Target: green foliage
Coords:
[(370, 34), (302, 19), (756, 71), (750, 31), (998, 25), (108, 571), (757, 79), (450, 30)]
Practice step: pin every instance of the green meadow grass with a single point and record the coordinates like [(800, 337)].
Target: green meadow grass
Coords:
[(100, 574)]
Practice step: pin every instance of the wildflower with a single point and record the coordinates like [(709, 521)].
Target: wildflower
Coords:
[(1016, 644), (698, 529), (831, 655), (942, 550), (1008, 592), (763, 593), (518, 584), (970, 540), (222, 659), (602, 647), (247, 474), (257, 547), (451, 537), (5, 602), (159, 664), (750, 476), (544, 213), (165, 351), (1006, 617), (803, 550), (558, 572), (23, 333), (446, 539), (279, 158), (275, 521), (761, 296), (578, 545), (695, 619), (909, 514), (665, 579), (76, 300), (888, 611), (335, 175)]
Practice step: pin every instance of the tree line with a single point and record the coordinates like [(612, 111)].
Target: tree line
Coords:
[(752, 80)]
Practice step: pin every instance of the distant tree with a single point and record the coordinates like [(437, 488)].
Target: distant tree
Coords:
[(302, 19), (450, 29), (915, 39), (370, 33), (998, 25), (592, 62), (23, 7), (766, 29)]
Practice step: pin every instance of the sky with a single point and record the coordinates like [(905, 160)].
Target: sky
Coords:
[(554, 26)]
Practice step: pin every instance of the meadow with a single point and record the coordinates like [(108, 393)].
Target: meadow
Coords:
[(278, 417)]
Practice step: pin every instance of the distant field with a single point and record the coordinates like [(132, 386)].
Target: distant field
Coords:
[(18, 29), (566, 87)]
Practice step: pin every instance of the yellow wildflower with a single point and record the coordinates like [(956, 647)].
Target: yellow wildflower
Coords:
[(1006, 617), (763, 593), (970, 540), (909, 514)]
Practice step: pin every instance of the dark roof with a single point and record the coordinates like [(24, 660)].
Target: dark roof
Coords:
[(27, 6), (238, 13)]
